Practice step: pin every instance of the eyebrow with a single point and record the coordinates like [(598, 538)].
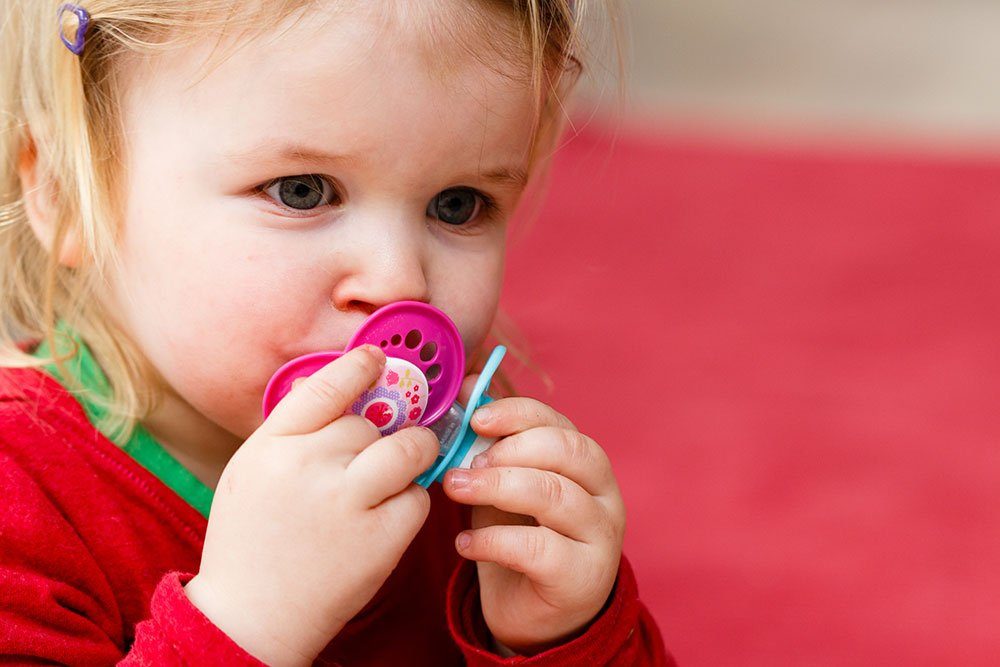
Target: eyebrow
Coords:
[(514, 176), (267, 153)]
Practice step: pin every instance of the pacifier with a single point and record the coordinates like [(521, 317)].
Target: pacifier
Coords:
[(425, 364)]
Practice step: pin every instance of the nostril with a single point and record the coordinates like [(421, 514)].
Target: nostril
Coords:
[(354, 306), (363, 307)]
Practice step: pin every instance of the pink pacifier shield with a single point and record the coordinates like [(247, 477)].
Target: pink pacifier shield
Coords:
[(417, 334), (424, 336), (397, 399)]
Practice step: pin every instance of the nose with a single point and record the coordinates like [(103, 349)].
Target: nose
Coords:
[(385, 264)]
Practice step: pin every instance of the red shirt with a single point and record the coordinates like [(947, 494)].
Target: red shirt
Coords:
[(94, 551)]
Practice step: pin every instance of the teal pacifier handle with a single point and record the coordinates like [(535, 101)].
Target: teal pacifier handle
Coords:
[(465, 436)]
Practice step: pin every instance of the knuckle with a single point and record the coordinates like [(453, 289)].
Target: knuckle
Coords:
[(621, 518), (327, 392), (551, 490), (414, 444), (409, 449), (365, 361), (533, 411), (486, 542), (608, 530), (576, 447), (503, 450), (501, 550), (604, 461), (534, 548), (522, 409), (486, 539), (494, 481)]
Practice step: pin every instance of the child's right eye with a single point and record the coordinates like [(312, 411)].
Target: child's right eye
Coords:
[(302, 193)]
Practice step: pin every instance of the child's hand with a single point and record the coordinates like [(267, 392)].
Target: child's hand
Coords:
[(311, 515), (541, 580)]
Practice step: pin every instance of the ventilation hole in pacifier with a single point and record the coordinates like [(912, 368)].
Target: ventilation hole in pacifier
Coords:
[(428, 351), (383, 343), (413, 339), (433, 372), (396, 339)]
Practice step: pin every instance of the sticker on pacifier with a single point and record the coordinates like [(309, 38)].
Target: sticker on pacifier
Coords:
[(396, 400)]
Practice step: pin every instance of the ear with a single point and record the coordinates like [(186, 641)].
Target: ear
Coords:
[(39, 194)]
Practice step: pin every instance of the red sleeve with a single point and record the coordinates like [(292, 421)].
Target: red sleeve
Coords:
[(57, 606), (177, 633), (623, 634)]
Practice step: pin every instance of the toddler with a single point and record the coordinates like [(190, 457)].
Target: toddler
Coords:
[(194, 192)]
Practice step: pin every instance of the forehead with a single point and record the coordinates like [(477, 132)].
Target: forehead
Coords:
[(366, 77)]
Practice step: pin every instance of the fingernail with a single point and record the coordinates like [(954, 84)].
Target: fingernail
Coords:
[(479, 461), (464, 540), (375, 351), (485, 415), (460, 478)]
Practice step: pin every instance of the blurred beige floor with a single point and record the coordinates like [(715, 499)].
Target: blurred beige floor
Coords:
[(924, 68)]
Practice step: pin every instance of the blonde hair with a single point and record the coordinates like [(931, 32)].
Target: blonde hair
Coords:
[(66, 109)]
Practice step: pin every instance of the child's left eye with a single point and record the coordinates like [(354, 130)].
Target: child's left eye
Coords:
[(458, 206), (302, 193)]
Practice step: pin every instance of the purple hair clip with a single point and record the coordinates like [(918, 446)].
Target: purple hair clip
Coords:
[(83, 19)]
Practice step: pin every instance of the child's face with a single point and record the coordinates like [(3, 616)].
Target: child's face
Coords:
[(222, 281)]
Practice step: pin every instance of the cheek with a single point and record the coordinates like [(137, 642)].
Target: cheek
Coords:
[(216, 285), (212, 309), (470, 291), (209, 263)]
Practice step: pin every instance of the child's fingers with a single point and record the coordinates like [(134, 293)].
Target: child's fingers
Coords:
[(513, 415), (406, 511), (326, 394), (387, 466), (343, 438), (536, 551), (564, 451), (551, 499)]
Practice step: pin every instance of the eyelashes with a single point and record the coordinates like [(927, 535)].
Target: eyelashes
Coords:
[(459, 206), (454, 207), (302, 193)]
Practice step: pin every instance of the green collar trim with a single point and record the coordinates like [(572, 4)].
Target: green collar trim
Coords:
[(94, 398)]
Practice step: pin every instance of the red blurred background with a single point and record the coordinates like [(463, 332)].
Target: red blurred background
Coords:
[(791, 355), (771, 295)]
